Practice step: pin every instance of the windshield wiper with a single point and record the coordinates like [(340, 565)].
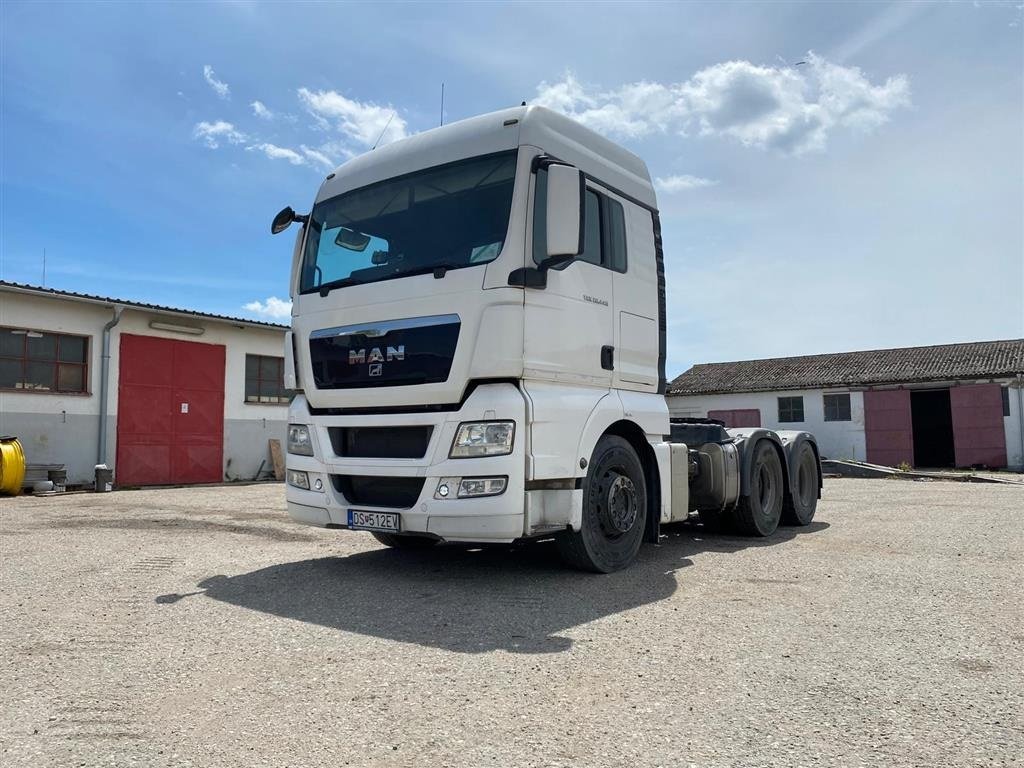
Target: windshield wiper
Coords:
[(439, 270), (344, 282)]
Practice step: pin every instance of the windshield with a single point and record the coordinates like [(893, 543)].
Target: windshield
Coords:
[(451, 216)]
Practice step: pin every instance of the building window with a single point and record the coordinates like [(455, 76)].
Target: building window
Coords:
[(837, 407), (264, 380), (791, 409), (36, 361), (1005, 392)]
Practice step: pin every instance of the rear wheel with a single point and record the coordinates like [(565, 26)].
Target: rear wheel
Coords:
[(758, 513), (614, 510), (404, 542), (802, 501)]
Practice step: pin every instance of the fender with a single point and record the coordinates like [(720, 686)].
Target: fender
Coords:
[(791, 442), (746, 438), (607, 411)]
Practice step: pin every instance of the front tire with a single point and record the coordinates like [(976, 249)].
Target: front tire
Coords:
[(614, 510), (758, 513), (404, 542)]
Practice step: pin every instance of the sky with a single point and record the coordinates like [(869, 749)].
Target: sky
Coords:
[(830, 176)]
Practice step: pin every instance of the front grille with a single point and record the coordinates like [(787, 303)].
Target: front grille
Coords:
[(398, 492), (380, 442)]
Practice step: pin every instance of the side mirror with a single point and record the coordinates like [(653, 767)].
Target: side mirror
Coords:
[(552, 262), (284, 219), (565, 213)]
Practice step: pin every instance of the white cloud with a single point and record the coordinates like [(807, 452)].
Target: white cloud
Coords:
[(275, 152), (317, 156), (681, 183), (213, 133), (273, 308), (791, 109), (219, 87), (260, 110), (363, 122)]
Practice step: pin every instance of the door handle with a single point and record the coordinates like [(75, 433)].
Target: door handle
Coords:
[(608, 358)]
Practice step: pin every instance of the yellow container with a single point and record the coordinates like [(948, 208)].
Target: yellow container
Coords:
[(12, 466)]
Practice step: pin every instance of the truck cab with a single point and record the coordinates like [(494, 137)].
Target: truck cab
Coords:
[(478, 347)]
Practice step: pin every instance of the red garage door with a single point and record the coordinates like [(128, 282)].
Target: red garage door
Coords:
[(738, 417), (170, 412), (979, 438), (888, 428)]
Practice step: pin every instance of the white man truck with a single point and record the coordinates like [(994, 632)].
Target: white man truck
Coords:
[(478, 351)]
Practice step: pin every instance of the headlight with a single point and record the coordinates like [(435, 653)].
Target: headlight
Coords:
[(299, 441), (483, 438)]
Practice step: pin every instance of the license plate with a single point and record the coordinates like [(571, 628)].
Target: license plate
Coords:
[(374, 521)]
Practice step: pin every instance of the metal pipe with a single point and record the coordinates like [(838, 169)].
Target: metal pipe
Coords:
[(101, 449)]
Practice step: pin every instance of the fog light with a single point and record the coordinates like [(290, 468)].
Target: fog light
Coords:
[(318, 484), (298, 479), (481, 486)]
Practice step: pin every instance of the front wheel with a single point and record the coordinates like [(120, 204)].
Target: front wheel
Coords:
[(614, 510)]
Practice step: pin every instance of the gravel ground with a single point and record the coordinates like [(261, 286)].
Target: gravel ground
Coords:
[(200, 627)]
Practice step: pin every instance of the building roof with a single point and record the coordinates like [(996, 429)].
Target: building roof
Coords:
[(973, 360), (89, 298)]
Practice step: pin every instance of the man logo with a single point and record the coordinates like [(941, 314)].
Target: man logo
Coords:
[(375, 369), (358, 356)]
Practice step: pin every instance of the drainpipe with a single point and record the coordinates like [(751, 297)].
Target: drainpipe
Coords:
[(1020, 416), (101, 450)]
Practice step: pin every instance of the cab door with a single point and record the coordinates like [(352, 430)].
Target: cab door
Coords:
[(570, 330)]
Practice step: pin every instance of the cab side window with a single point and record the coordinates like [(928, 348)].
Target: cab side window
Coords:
[(614, 220), (592, 250), (604, 238)]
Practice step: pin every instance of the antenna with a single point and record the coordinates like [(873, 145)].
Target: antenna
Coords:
[(382, 132), (442, 102), (44, 267)]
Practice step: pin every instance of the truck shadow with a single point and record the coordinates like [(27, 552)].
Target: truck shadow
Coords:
[(469, 600)]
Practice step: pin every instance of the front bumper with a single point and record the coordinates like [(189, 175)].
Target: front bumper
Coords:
[(483, 519)]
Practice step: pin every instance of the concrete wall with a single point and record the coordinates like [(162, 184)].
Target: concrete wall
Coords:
[(836, 439), (64, 429)]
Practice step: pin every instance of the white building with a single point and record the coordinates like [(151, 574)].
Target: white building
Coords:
[(183, 397), (954, 405)]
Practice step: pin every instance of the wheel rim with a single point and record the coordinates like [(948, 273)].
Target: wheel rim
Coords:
[(619, 507), (765, 487), (806, 488)]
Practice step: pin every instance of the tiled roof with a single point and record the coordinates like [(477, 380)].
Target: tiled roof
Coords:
[(974, 360), (24, 288)]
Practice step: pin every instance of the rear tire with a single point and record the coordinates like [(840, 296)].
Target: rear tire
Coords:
[(404, 542), (802, 501), (614, 510), (758, 514)]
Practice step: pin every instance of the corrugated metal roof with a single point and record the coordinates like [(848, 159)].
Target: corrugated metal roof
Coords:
[(25, 288), (973, 360)]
